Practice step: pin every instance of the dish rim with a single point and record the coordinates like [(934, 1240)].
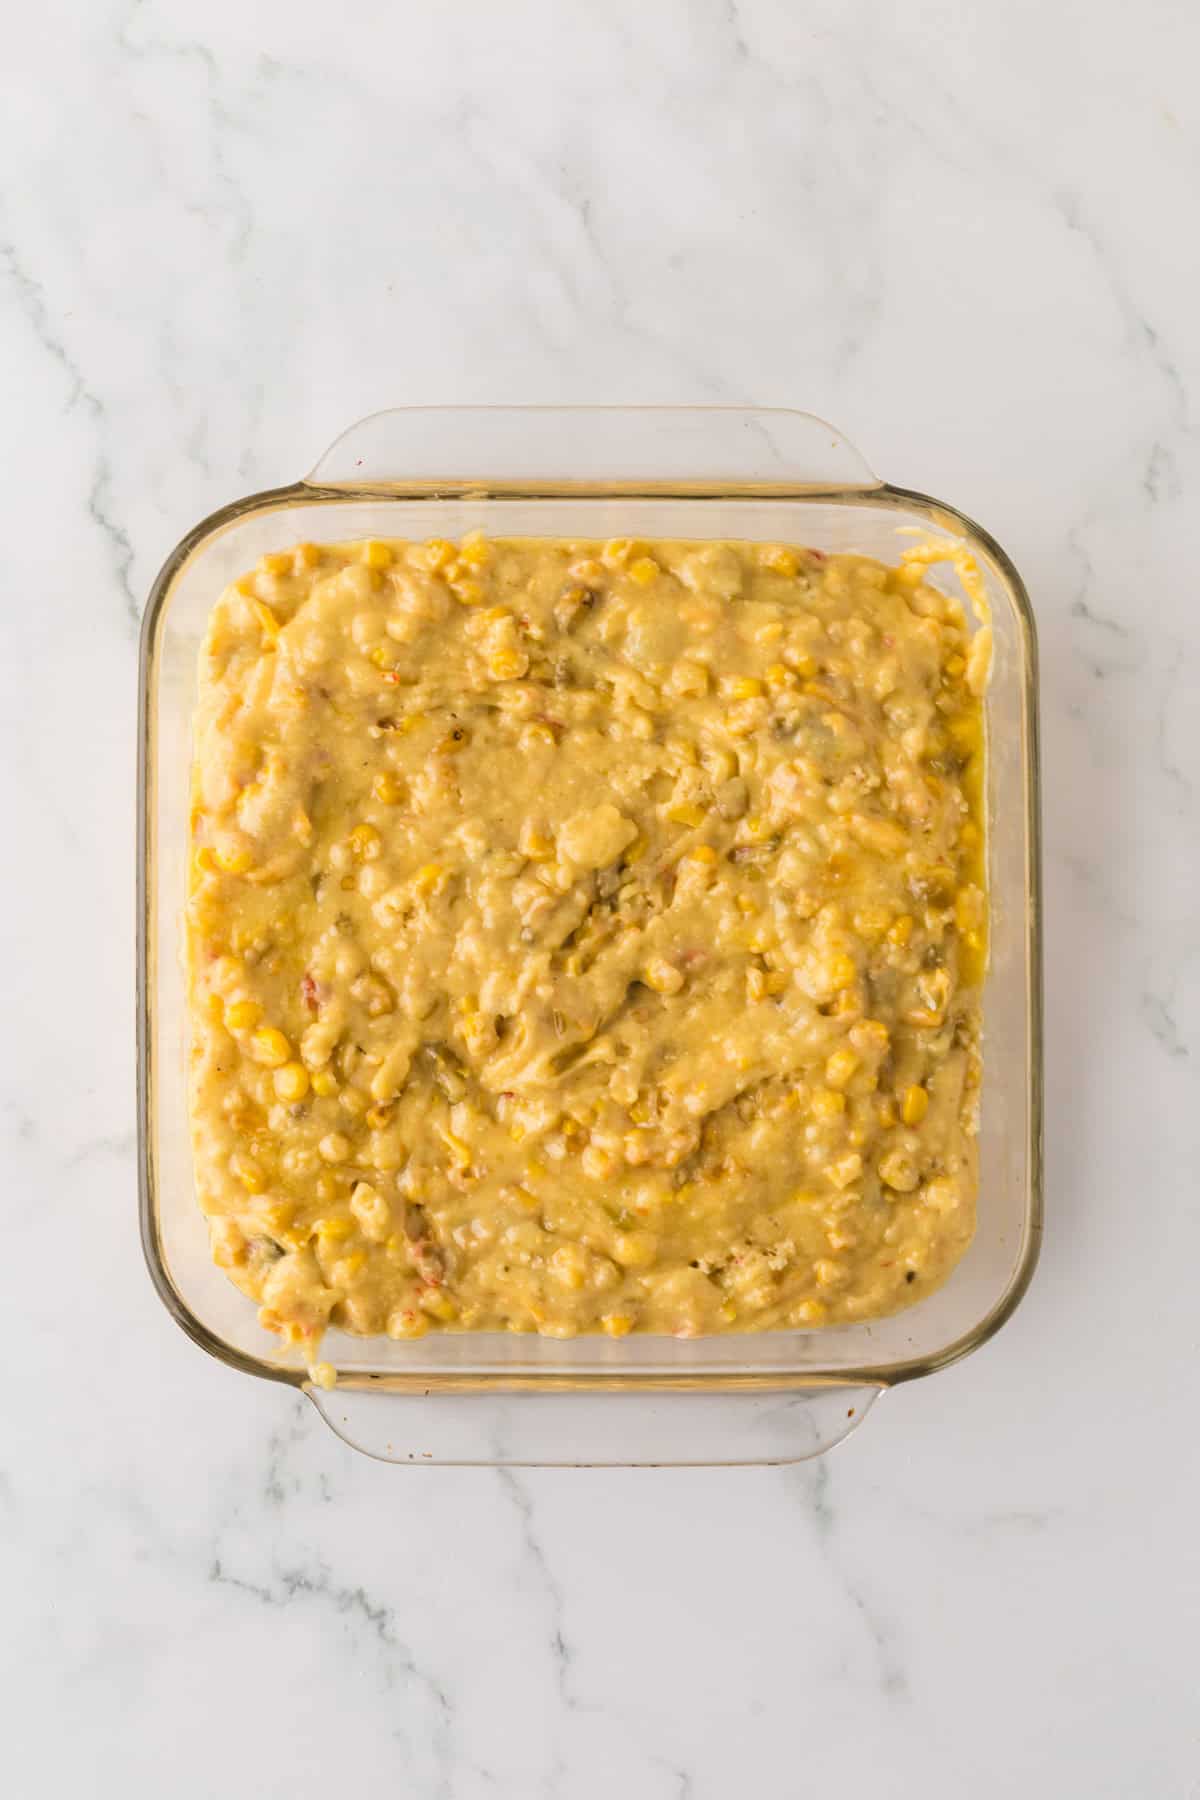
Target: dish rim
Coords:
[(878, 493)]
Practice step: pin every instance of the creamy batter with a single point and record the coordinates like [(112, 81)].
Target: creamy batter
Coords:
[(585, 937)]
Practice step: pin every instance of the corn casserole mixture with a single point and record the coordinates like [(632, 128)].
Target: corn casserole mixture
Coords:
[(586, 937)]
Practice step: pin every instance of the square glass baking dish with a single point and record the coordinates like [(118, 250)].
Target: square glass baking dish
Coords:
[(596, 472)]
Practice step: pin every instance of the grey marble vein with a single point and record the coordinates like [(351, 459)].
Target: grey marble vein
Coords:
[(961, 232), (34, 306)]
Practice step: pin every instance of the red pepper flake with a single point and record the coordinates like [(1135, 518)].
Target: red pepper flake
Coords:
[(310, 992), (817, 555)]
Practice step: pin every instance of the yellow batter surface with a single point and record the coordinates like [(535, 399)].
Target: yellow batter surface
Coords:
[(585, 937)]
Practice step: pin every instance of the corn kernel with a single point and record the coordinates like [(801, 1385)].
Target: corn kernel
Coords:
[(468, 591), (375, 554), (915, 1105), (324, 1083), (810, 1312), (349, 1267), (598, 1164), (474, 550), (268, 623), (429, 878), (644, 570), (616, 1324), (323, 1375), (507, 665), (206, 861), (702, 853), (898, 1170), (306, 556), (727, 1313), (840, 1067), (845, 1170), (779, 676), (900, 930), (234, 862), (407, 1322), (617, 551), (662, 976), (242, 1014), (873, 1034), (380, 656), (636, 850), (365, 842), (269, 1046), (842, 970), (440, 1306), (334, 1147), (689, 679), (956, 666), (687, 814), (741, 687), (779, 560), (534, 843), (777, 982), (460, 1151), (635, 1249), (439, 553), (566, 1264), (248, 1173), (871, 921), (827, 1103), (291, 1081), (334, 1228), (276, 562), (386, 789)]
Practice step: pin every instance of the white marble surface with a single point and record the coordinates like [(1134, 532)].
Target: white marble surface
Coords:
[(965, 232)]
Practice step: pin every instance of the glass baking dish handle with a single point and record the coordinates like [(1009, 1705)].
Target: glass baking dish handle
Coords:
[(593, 1430), (616, 449), (610, 451)]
